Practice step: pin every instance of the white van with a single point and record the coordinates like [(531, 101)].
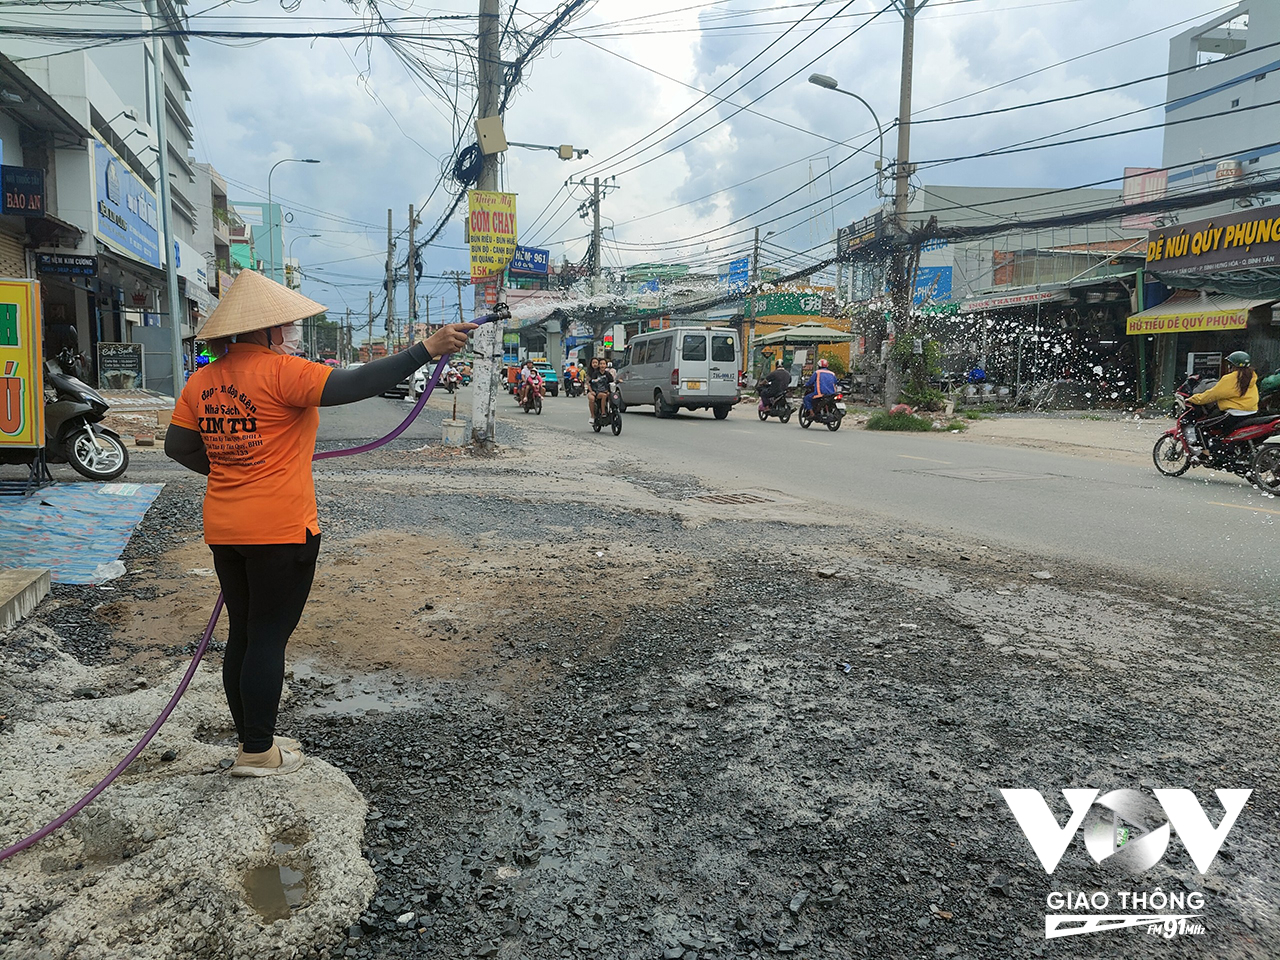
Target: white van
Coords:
[(691, 367)]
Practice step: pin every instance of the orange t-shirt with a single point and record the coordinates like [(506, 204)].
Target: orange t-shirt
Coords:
[(257, 412)]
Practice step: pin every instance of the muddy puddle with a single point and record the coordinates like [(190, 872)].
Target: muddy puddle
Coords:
[(323, 692), (277, 889)]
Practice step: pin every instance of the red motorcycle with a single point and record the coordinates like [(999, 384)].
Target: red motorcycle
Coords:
[(532, 401), (1232, 444)]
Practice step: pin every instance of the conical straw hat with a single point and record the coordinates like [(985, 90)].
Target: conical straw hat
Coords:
[(255, 302)]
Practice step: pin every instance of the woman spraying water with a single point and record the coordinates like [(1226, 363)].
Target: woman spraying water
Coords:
[(248, 422)]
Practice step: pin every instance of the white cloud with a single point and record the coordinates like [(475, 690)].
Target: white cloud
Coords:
[(297, 98)]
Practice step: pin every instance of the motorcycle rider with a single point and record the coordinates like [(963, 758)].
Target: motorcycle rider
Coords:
[(599, 384), (1236, 395), (821, 384), (775, 385), (522, 382), (530, 381)]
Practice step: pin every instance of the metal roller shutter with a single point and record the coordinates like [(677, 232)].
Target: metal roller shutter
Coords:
[(13, 257)]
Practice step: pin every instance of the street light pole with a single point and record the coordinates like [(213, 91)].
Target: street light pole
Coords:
[(830, 83), (271, 225)]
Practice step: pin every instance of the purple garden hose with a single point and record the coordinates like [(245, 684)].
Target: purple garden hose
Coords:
[(132, 755)]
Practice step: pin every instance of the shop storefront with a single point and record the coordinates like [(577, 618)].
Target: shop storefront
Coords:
[(130, 286), (1225, 276)]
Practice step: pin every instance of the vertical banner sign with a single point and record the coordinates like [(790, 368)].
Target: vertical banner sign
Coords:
[(21, 372), (491, 218)]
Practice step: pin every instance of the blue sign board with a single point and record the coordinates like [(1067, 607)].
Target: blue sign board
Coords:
[(737, 276), (530, 260), (125, 215), (933, 285)]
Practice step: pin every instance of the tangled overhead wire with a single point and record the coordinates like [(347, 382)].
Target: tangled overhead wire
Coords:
[(469, 165)]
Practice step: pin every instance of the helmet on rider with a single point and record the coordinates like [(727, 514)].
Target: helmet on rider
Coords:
[(823, 363), (1239, 359)]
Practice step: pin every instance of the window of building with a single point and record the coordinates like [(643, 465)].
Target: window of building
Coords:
[(1254, 159), (1261, 76), (1235, 103)]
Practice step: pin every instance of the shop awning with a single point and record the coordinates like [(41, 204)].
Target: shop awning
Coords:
[(1192, 310), (809, 332)]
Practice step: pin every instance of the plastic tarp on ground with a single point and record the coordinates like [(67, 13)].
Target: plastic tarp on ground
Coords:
[(75, 530)]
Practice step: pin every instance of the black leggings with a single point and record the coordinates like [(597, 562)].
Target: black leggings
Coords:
[(265, 587)]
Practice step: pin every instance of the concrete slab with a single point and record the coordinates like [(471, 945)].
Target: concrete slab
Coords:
[(20, 591)]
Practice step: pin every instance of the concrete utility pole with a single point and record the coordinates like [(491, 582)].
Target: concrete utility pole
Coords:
[(755, 280), (413, 303), (901, 283), (457, 276), (344, 348), (487, 341), (176, 313), (391, 288), (595, 238), (368, 340)]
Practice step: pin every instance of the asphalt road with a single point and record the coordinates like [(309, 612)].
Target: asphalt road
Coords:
[(1205, 530)]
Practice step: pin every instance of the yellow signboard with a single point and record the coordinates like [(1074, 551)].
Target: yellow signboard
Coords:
[(1188, 322), (491, 221), (21, 373)]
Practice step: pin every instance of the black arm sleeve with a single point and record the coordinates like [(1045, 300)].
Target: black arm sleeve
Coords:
[(348, 386), (187, 448)]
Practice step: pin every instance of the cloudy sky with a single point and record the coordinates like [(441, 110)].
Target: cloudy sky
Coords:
[(694, 174)]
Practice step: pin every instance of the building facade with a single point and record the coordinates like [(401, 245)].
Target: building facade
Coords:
[(106, 188)]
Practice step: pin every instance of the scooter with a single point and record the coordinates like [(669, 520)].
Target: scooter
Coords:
[(1236, 445), (826, 409), (533, 400), (613, 414), (73, 432), (777, 406), (452, 380)]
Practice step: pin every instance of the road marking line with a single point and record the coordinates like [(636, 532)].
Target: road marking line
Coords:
[(907, 456), (1237, 506), (817, 442)]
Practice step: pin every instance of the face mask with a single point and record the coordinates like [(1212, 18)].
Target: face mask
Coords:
[(290, 339)]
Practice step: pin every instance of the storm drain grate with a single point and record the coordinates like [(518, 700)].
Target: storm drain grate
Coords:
[(734, 498)]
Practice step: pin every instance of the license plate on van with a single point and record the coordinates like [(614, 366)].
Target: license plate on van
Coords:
[(693, 384)]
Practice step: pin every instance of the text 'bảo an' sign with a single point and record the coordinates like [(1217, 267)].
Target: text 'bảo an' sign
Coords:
[(21, 372), (491, 221)]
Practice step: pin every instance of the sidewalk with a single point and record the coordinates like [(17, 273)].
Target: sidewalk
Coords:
[(1112, 438)]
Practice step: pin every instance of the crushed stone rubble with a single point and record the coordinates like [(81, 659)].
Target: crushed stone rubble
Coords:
[(722, 752)]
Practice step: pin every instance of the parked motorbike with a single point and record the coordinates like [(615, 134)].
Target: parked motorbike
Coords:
[(828, 410), (532, 401), (73, 432), (776, 406), (1234, 445)]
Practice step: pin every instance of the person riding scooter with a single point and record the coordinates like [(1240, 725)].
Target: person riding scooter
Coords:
[(821, 384), (774, 385), (1236, 395)]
